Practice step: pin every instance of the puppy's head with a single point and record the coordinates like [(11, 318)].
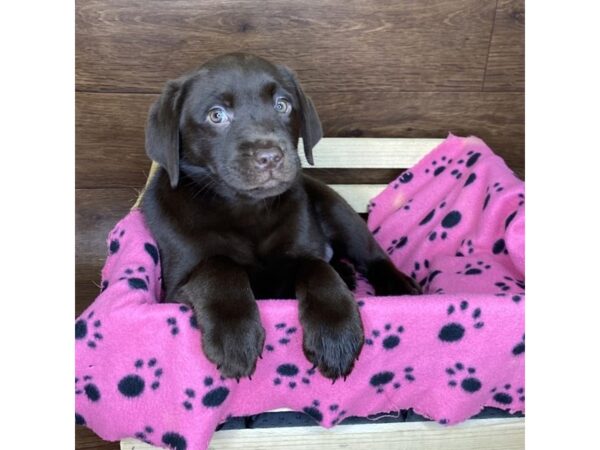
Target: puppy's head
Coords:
[(237, 119)]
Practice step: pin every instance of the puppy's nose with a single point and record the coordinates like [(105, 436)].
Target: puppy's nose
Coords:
[(268, 158)]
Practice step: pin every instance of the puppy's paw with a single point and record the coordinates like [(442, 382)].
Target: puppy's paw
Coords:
[(234, 344), (333, 337), (387, 280)]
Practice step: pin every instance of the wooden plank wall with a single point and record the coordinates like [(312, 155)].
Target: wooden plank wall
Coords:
[(377, 68)]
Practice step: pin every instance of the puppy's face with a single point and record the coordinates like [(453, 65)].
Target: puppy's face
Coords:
[(238, 118)]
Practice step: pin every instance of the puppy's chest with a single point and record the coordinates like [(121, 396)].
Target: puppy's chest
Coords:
[(270, 242), (275, 236)]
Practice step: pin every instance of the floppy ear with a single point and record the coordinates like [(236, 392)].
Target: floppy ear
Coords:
[(162, 129), (310, 130)]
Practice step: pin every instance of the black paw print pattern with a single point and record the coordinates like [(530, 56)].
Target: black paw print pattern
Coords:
[(473, 157), (488, 196), (466, 248), (509, 219), (499, 247), (456, 173), (115, 244), (470, 179), (152, 251), (390, 339), (79, 419), (190, 395), (313, 411), (519, 349), (144, 435), (430, 215), (474, 269), (510, 283), (172, 323), (423, 275), (489, 191), (288, 375), (405, 177), (438, 167), (469, 383), (86, 329), (216, 395), (174, 440), (381, 379), (340, 413), (454, 331), (90, 390), (449, 221), (191, 318), (284, 333), (133, 385), (136, 279), (397, 244), (408, 374), (505, 396), (407, 205), (517, 298)]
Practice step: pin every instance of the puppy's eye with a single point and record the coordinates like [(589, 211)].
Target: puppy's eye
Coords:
[(218, 115), (282, 105)]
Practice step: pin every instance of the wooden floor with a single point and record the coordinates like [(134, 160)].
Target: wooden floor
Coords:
[(374, 69)]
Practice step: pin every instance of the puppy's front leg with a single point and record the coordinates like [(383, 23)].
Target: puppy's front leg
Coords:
[(333, 332), (232, 336)]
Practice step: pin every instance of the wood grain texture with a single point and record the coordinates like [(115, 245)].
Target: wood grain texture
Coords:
[(109, 140), (110, 127), (96, 213), (334, 45), (506, 60), (86, 439)]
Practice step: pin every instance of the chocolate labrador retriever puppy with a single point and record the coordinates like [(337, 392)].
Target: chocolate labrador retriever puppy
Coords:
[(235, 218)]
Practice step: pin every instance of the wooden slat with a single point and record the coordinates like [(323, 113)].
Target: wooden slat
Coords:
[(110, 127), (358, 195), (506, 60), (488, 434), (354, 176), (380, 153), (334, 45)]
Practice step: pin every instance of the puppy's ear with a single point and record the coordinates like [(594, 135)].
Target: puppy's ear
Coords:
[(310, 130), (162, 129)]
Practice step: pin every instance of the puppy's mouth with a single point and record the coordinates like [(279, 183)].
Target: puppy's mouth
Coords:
[(270, 186), (271, 182)]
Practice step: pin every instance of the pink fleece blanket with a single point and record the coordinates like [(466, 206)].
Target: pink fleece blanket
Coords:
[(455, 222)]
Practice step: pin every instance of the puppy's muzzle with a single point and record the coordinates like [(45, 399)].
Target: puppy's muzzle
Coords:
[(268, 158)]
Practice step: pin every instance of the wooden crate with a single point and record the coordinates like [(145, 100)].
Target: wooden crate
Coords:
[(475, 434)]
